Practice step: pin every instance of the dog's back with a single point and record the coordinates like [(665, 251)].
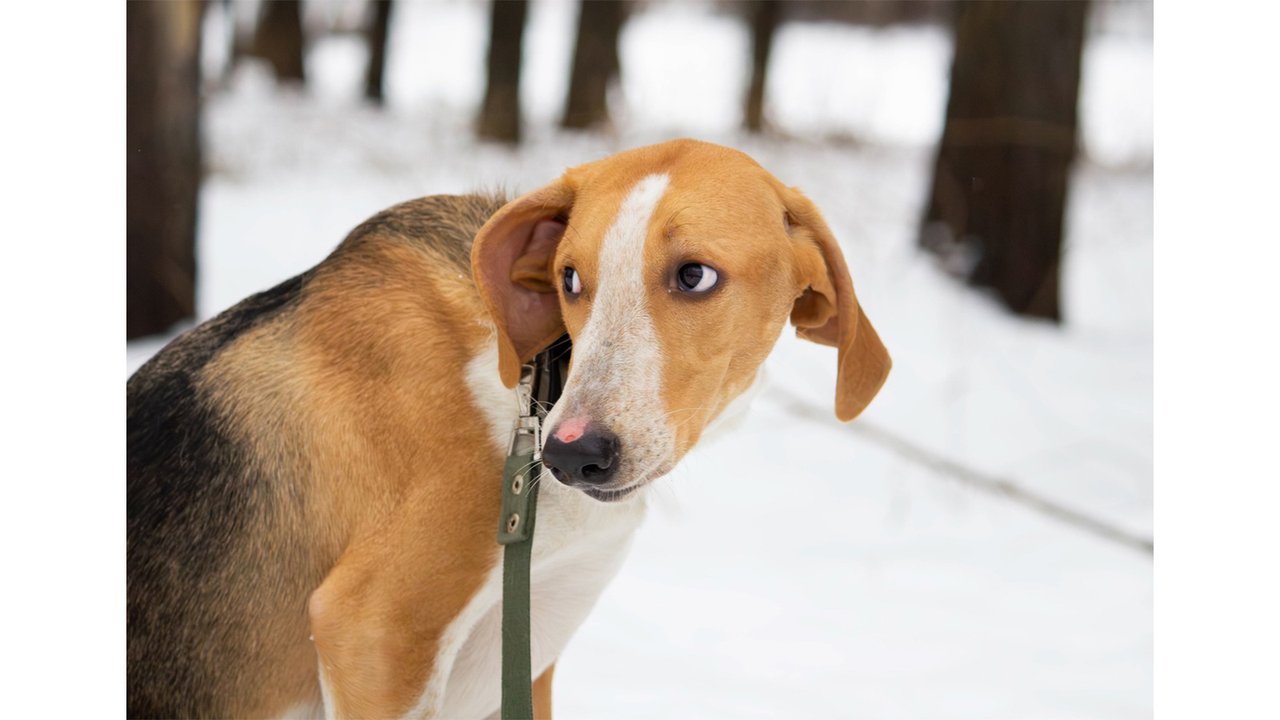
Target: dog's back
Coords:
[(229, 429)]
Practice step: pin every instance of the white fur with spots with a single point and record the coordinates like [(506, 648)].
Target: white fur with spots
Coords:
[(617, 363)]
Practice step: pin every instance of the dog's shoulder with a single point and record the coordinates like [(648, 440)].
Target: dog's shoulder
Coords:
[(443, 225)]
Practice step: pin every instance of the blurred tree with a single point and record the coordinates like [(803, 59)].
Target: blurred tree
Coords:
[(1000, 179), (764, 16), (880, 13), (241, 45), (373, 89), (595, 62), (279, 39), (163, 164), (500, 115)]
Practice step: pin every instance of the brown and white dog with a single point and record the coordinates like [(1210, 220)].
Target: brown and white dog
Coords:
[(313, 475)]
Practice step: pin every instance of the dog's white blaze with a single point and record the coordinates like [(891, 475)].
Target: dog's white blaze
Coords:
[(617, 364)]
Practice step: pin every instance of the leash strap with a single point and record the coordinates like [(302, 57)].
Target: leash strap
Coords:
[(541, 383)]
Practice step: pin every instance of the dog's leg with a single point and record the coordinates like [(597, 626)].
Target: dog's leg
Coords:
[(542, 695), (391, 616)]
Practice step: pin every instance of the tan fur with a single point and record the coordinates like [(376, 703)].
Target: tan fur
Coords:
[(421, 543), (390, 503), (379, 528), (542, 695)]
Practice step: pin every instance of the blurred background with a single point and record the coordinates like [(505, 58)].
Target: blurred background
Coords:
[(978, 544)]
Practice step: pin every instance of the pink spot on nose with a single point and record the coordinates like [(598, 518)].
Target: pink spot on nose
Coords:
[(571, 429)]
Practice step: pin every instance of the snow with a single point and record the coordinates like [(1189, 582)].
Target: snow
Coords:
[(797, 567)]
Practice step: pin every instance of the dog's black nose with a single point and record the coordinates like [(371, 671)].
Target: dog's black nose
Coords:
[(589, 459)]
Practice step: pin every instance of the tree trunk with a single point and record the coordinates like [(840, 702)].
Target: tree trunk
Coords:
[(163, 163), (239, 45), (500, 115), (377, 51), (279, 39), (764, 16), (595, 63), (1000, 180)]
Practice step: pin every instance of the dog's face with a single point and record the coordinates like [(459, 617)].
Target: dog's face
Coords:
[(674, 269)]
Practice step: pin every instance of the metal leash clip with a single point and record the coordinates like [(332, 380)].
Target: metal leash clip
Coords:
[(523, 464), (529, 425)]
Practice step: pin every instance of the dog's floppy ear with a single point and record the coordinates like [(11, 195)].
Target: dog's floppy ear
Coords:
[(511, 265), (828, 312)]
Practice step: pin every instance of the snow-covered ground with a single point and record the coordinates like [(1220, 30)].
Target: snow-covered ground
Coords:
[(797, 567)]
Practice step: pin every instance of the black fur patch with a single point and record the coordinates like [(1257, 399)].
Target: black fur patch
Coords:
[(190, 495)]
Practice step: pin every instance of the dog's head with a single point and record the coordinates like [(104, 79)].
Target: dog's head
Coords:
[(673, 268)]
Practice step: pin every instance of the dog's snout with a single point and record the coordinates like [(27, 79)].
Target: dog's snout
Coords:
[(590, 458)]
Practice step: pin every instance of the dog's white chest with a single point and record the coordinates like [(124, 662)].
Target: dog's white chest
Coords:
[(577, 550), (579, 545)]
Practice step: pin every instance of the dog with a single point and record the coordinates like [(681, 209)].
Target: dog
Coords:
[(314, 474)]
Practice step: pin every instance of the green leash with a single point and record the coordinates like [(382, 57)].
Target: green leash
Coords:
[(540, 385)]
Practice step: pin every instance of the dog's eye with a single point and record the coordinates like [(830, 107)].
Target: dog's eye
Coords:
[(696, 277), (572, 283)]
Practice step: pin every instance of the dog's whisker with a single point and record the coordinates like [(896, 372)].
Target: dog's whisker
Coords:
[(525, 468)]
